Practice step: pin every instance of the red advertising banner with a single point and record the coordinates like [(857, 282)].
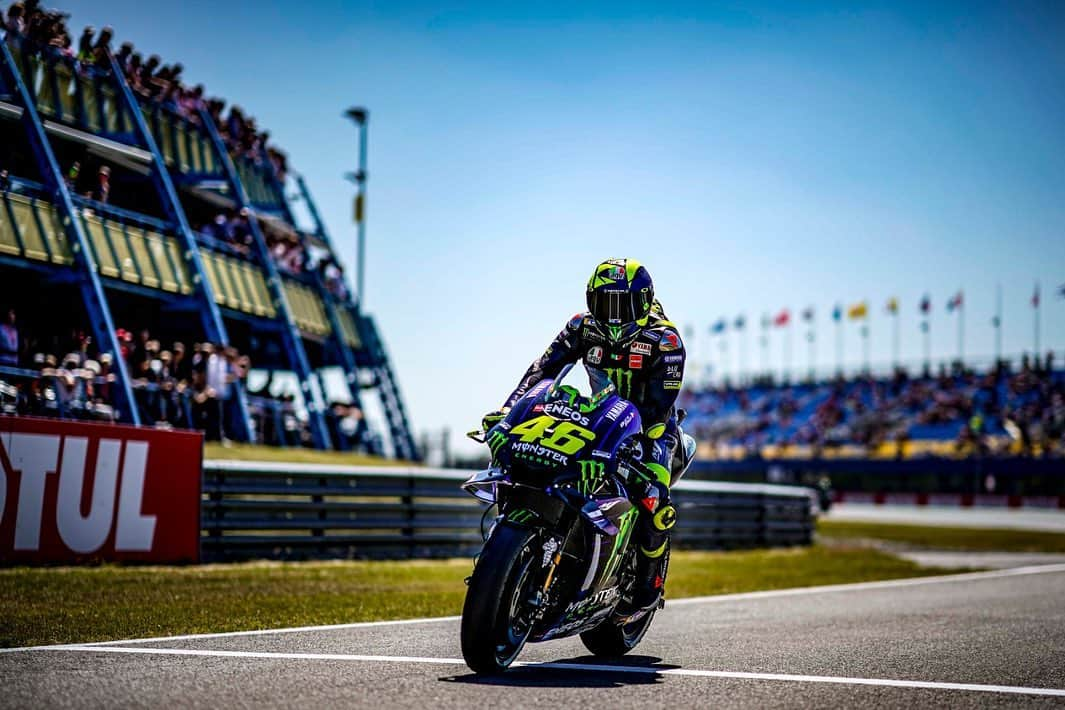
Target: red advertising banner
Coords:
[(78, 492)]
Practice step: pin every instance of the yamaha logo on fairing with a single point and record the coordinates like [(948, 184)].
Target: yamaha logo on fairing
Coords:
[(616, 411)]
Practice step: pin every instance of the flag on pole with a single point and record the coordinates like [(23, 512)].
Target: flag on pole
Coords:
[(926, 304), (837, 312), (782, 318), (1035, 296), (808, 314), (892, 306), (956, 301), (718, 327), (740, 323), (858, 311)]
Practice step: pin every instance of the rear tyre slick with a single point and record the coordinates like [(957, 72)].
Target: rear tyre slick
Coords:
[(494, 626)]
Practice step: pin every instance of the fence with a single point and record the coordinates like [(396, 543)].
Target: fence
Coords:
[(255, 509)]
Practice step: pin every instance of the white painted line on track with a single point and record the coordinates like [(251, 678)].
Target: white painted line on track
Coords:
[(225, 634), (768, 594), (592, 668), (861, 586)]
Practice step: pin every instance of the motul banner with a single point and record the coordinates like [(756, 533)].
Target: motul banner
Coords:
[(74, 492)]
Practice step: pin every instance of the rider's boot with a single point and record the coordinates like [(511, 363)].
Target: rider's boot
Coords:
[(651, 567), (652, 562)]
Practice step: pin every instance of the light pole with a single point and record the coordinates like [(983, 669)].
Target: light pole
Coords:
[(361, 118)]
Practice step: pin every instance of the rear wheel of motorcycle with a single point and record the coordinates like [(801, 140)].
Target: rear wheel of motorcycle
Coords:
[(609, 639), (495, 623)]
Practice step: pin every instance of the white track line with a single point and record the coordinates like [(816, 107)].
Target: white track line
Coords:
[(860, 586), (593, 668), (225, 634), (741, 596)]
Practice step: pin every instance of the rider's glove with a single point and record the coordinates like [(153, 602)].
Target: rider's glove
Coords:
[(493, 418)]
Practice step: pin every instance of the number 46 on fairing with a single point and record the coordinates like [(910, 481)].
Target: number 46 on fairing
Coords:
[(564, 437)]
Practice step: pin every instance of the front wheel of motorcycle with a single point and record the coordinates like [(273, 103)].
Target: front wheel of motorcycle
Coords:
[(612, 640), (496, 618)]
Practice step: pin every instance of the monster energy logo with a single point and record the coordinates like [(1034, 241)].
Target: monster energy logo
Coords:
[(520, 516), (496, 441), (621, 378), (591, 476)]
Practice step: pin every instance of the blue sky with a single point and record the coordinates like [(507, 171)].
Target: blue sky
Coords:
[(754, 156)]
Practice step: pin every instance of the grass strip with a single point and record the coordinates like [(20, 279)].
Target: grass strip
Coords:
[(944, 538), (82, 604), (234, 451)]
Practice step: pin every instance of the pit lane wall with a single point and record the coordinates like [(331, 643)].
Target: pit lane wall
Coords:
[(72, 492)]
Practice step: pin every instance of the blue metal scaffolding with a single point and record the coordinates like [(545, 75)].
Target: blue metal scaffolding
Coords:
[(186, 270)]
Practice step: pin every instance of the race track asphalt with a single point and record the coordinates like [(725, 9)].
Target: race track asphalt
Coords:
[(986, 629)]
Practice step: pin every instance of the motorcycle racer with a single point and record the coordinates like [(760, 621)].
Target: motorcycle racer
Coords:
[(626, 339)]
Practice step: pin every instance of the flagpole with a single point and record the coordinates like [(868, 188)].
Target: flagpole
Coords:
[(839, 345), (865, 347), (998, 323), (812, 352), (895, 339), (961, 330), (723, 347), (763, 345), (787, 352), (1038, 306)]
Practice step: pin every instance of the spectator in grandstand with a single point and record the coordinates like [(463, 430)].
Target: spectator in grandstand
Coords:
[(218, 376), (9, 340), (125, 52), (85, 53), (133, 73), (16, 19), (71, 176), (238, 230), (190, 102), (146, 74), (333, 277), (102, 191), (204, 405), (180, 366), (102, 47)]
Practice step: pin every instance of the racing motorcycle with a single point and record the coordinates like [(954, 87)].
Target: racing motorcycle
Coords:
[(557, 560)]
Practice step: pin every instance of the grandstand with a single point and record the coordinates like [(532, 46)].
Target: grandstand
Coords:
[(133, 217), (957, 413)]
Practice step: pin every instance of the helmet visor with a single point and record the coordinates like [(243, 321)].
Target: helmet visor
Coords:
[(612, 307)]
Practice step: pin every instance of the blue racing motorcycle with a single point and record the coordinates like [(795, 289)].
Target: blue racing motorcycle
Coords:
[(557, 561)]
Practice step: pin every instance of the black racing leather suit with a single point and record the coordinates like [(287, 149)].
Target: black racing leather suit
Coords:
[(648, 372)]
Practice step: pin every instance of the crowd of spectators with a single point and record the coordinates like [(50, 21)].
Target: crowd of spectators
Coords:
[(287, 250), (93, 186), (230, 228), (150, 78), (1000, 411), (173, 388)]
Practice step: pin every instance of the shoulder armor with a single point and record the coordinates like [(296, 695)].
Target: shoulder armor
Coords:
[(669, 340)]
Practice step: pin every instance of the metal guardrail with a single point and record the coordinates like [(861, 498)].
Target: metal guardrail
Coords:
[(287, 510)]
